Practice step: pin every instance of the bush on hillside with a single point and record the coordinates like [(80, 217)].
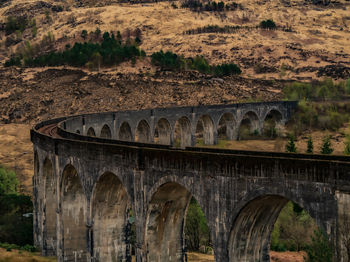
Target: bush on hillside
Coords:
[(268, 24)]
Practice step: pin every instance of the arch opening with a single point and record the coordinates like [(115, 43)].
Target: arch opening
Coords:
[(226, 127), (170, 229), (91, 132), (273, 125), (106, 132), (182, 132), (125, 132), (143, 132), (50, 237), (249, 127), (205, 131), (110, 218), (261, 224), (73, 216), (162, 132)]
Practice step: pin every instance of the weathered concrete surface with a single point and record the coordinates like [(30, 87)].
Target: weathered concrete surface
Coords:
[(100, 181)]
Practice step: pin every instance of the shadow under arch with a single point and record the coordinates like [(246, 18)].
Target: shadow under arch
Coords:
[(50, 233), (205, 130), (106, 132), (252, 228), (143, 132), (162, 132), (110, 206), (91, 132), (226, 127), (249, 126), (182, 132), (125, 133), (273, 123), (73, 213), (166, 220)]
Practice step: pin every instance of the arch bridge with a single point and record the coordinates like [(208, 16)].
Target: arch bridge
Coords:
[(93, 172)]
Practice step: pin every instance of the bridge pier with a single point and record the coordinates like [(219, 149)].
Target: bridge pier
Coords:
[(343, 227)]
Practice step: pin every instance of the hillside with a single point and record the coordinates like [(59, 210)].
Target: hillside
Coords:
[(317, 45)]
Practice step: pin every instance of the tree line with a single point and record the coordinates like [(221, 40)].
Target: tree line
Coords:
[(210, 6), (227, 29), (172, 61), (111, 50)]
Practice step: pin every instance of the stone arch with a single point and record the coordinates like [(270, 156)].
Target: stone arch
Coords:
[(182, 132), (164, 234), (273, 123), (73, 208), (162, 132), (205, 130), (227, 127), (110, 219), (125, 133), (250, 235), (143, 132), (91, 132), (106, 132), (50, 216), (249, 125)]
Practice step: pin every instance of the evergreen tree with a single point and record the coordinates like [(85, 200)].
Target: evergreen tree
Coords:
[(290, 146), (326, 148), (310, 146), (319, 250)]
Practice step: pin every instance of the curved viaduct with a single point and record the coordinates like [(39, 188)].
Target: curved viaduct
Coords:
[(93, 172)]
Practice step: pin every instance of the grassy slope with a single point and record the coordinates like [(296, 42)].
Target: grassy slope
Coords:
[(321, 33)]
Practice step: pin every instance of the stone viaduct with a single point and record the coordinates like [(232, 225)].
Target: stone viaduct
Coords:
[(94, 172)]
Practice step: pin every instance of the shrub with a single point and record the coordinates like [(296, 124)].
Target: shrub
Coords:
[(201, 64), (13, 61), (8, 181), (326, 148), (268, 24), (14, 24), (84, 34), (310, 146), (226, 69), (167, 60), (319, 250), (290, 146)]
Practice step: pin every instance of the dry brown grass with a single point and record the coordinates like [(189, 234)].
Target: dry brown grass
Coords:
[(320, 33), (22, 256)]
